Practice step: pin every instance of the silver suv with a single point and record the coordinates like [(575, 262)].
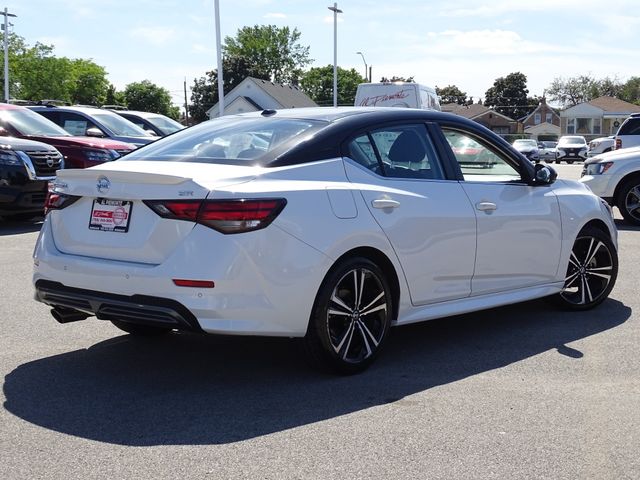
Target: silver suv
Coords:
[(629, 133)]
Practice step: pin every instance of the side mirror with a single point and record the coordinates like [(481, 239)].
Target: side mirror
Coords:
[(544, 174), (3, 132), (94, 132)]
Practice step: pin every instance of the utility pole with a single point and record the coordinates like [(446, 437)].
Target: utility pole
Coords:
[(219, 51), (335, 11), (186, 105), (6, 52)]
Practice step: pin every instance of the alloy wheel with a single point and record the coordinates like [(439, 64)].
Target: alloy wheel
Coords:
[(590, 272), (632, 202), (357, 315)]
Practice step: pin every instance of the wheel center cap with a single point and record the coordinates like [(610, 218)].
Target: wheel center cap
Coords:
[(583, 270)]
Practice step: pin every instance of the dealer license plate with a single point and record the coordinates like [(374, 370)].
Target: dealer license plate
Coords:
[(110, 215)]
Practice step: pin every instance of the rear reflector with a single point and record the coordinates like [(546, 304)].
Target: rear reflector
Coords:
[(225, 216), (193, 283)]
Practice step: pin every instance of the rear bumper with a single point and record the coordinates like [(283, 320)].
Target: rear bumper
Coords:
[(140, 309), (265, 281)]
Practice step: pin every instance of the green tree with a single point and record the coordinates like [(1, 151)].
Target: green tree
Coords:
[(452, 94), (149, 97), (583, 88), (508, 95), (35, 73), (204, 92), (630, 91), (114, 97), (318, 84), (87, 82), (273, 52)]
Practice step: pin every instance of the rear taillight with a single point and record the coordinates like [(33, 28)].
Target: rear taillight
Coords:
[(58, 201), (618, 144), (225, 216)]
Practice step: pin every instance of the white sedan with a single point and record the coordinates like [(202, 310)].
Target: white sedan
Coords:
[(327, 224)]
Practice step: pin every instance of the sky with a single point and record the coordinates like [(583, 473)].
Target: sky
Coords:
[(453, 42)]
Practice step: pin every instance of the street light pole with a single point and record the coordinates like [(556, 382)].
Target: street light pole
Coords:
[(365, 66), (6, 52), (219, 52), (335, 11)]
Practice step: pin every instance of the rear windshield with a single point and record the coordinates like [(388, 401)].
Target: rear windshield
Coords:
[(630, 127), (228, 140)]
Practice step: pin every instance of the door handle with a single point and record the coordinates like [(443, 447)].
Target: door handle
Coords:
[(486, 206), (385, 203)]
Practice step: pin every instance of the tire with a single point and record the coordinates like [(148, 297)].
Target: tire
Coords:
[(140, 330), (345, 333), (628, 201), (592, 271)]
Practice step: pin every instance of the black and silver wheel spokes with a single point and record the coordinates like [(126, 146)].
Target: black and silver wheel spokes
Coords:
[(589, 273), (632, 202), (356, 317)]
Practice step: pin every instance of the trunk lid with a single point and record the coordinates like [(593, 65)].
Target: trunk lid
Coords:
[(110, 219)]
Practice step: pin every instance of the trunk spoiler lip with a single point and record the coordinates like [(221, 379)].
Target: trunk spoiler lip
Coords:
[(122, 176)]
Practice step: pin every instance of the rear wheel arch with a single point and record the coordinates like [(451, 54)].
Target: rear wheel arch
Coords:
[(382, 261)]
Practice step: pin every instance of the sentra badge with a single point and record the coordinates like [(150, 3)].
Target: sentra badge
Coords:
[(103, 184)]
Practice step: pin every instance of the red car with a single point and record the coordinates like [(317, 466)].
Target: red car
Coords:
[(78, 152)]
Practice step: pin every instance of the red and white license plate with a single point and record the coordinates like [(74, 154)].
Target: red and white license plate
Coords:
[(110, 215)]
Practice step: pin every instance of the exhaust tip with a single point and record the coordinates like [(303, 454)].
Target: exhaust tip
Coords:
[(67, 315)]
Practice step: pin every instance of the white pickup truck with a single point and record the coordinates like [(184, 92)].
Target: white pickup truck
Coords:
[(615, 176)]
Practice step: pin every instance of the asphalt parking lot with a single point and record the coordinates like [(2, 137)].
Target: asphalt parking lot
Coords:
[(519, 392)]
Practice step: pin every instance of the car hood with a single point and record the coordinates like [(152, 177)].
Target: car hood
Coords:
[(22, 144), (85, 142), (614, 155)]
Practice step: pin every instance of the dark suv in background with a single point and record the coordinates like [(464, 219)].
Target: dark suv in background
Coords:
[(78, 152), (25, 170), (95, 122), (629, 133)]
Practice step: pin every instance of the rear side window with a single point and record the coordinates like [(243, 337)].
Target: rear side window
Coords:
[(403, 151), (228, 140), (630, 127)]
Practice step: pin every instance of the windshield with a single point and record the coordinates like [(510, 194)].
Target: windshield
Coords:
[(164, 124), (230, 140), (28, 123), (573, 141), (119, 125)]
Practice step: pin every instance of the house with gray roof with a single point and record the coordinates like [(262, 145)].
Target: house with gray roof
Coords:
[(255, 94)]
